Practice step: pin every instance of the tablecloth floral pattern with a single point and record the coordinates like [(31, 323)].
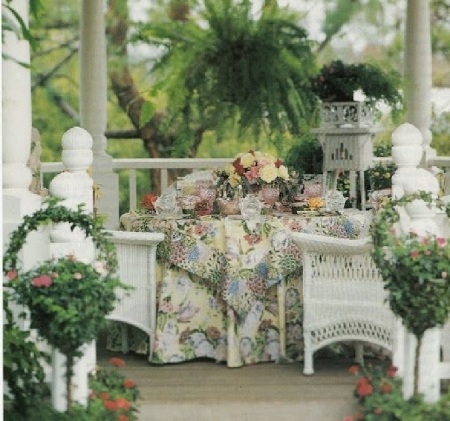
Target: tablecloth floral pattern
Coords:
[(219, 282)]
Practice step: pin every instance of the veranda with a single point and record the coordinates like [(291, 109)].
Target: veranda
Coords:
[(18, 201)]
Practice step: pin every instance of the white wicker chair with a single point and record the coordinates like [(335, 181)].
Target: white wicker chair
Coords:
[(344, 298), (136, 254)]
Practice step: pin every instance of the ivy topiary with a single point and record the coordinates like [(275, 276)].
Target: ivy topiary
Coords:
[(67, 299), (416, 270)]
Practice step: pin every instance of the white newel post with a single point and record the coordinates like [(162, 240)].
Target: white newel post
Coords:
[(18, 201), (74, 186), (407, 151), (93, 102)]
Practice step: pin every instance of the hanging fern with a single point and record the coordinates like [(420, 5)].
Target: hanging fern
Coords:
[(233, 65)]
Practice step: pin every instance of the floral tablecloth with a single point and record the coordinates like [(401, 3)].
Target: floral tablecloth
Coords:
[(223, 282)]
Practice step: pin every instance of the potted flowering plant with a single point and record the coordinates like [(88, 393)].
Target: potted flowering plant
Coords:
[(67, 299), (250, 171), (337, 82), (415, 270)]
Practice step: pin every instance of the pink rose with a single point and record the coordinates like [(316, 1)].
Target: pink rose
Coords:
[(441, 241), (42, 281)]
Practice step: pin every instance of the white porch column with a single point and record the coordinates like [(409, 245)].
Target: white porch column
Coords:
[(418, 69), (93, 101), (18, 201)]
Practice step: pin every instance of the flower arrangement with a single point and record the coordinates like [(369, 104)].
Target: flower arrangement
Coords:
[(251, 169), (415, 270), (379, 396), (338, 81)]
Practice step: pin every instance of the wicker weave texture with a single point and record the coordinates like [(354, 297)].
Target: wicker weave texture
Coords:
[(344, 298), (136, 253)]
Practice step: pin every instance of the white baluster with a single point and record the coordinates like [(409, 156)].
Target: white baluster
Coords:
[(417, 217), (75, 186)]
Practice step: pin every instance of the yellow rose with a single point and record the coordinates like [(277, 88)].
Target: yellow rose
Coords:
[(268, 173), (229, 169), (234, 180), (315, 202), (283, 172), (247, 160)]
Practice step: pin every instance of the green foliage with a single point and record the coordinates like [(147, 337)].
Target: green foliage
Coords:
[(67, 299), (379, 396), (22, 370), (233, 66), (113, 397), (306, 156), (414, 270), (12, 21), (337, 81)]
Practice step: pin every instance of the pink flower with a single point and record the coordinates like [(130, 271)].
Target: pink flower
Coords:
[(252, 174), (441, 241), (12, 274), (392, 370), (42, 281), (349, 418), (414, 254), (77, 275)]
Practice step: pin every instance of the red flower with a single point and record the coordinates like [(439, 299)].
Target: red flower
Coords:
[(12, 274), (110, 405), (123, 418), (103, 395), (129, 384), (414, 254), (238, 166), (122, 403), (385, 388), (365, 390), (148, 201), (362, 382), (349, 418), (392, 370), (354, 369), (118, 362)]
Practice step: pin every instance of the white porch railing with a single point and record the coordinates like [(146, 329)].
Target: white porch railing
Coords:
[(133, 165)]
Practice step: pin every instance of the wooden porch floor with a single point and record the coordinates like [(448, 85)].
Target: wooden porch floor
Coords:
[(204, 390)]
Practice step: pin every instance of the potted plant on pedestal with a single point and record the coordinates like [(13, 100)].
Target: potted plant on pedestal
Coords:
[(337, 82)]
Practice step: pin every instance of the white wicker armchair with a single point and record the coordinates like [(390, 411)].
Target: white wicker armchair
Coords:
[(344, 298), (136, 254)]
